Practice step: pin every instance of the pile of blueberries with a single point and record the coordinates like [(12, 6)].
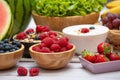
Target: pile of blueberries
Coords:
[(9, 46)]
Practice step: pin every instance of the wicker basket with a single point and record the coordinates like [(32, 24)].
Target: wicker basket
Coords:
[(58, 23), (114, 38)]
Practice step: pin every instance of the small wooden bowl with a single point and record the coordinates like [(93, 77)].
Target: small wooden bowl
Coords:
[(10, 59), (58, 23), (52, 60), (114, 37)]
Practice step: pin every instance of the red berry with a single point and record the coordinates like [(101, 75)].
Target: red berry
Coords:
[(21, 36), (54, 37), (69, 46), (63, 49), (42, 45), (45, 29), (113, 56), (22, 71), (63, 42), (29, 31), (39, 28), (36, 48), (55, 47), (85, 30), (104, 48), (48, 41), (101, 58), (52, 33), (43, 35), (34, 71), (45, 49)]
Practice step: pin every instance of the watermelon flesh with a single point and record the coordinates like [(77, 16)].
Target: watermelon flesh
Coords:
[(5, 18)]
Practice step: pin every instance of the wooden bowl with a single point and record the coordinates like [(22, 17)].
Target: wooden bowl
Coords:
[(52, 60), (114, 38), (10, 59), (58, 23)]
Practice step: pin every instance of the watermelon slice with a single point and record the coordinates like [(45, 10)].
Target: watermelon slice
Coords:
[(5, 18)]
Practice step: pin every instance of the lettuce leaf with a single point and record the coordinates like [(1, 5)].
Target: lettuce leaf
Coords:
[(61, 8)]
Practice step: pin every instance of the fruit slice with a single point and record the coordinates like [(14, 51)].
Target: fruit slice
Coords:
[(5, 18)]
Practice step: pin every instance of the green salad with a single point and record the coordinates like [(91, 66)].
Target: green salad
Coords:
[(61, 8)]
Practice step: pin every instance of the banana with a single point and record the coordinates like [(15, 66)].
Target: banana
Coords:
[(115, 10), (113, 4)]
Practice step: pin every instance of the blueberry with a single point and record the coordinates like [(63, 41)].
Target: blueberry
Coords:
[(1, 42), (1, 51), (1, 47), (6, 40), (92, 28), (37, 37)]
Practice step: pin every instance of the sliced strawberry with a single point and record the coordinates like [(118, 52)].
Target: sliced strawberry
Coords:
[(88, 56), (104, 48)]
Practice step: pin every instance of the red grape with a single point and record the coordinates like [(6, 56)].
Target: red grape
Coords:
[(111, 17), (116, 23), (104, 20), (109, 25)]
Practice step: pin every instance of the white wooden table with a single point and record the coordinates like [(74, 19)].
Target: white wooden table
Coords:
[(73, 71)]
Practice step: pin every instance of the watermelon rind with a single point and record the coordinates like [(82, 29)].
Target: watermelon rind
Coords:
[(8, 23)]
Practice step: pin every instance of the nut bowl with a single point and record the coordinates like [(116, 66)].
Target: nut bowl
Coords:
[(10, 59), (55, 60), (90, 40), (33, 38)]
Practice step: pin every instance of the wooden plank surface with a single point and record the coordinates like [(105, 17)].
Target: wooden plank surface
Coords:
[(73, 71)]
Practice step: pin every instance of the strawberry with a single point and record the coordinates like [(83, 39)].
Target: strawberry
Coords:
[(22, 71), (101, 58), (104, 48), (34, 71), (113, 56), (85, 30), (88, 56)]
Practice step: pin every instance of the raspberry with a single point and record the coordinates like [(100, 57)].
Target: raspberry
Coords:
[(39, 28), (43, 35), (21, 36), (52, 33), (45, 49), (63, 49), (55, 47), (45, 29), (29, 31), (69, 46), (63, 42), (34, 71), (22, 71), (42, 45), (36, 48), (54, 37), (85, 30), (48, 41)]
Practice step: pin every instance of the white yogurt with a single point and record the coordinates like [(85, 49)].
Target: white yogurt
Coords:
[(74, 30)]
